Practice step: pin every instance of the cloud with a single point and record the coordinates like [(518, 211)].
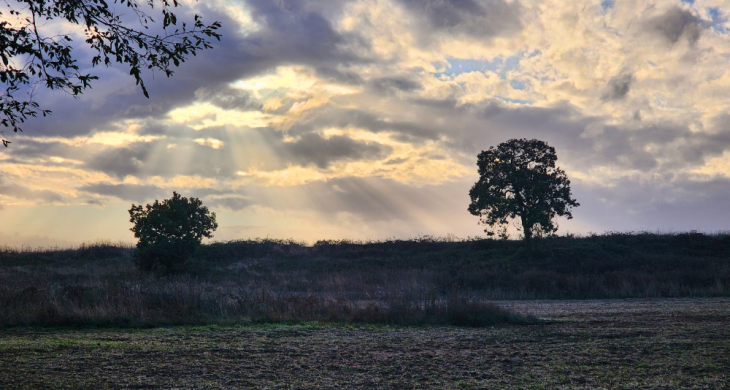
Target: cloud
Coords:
[(297, 32), (361, 117), (662, 203), (290, 32), (127, 192), (144, 194), (121, 162), (390, 85), (591, 142), (228, 98), (25, 193), (22, 192), (115, 97), (676, 23), (221, 153), (618, 87), (314, 149), (478, 19), (232, 203), (345, 114)]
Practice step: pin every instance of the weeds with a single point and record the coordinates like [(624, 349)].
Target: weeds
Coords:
[(183, 301)]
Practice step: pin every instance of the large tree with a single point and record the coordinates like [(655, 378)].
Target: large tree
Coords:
[(519, 179), (31, 59)]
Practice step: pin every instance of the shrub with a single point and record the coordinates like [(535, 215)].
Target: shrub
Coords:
[(169, 233)]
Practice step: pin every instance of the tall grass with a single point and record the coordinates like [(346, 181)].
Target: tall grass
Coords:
[(183, 300), (421, 281)]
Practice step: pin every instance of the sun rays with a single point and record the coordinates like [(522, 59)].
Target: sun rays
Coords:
[(364, 118)]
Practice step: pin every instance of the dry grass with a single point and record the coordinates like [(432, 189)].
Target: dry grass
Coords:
[(182, 300), (423, 281)]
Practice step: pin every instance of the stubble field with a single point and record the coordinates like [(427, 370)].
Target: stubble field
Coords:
[(611, 344)]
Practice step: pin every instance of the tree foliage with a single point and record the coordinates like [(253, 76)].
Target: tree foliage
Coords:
[(169, 232), (518, 178), (29, 58)]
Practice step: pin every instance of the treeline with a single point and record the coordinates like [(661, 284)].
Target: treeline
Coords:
[(612, 265)]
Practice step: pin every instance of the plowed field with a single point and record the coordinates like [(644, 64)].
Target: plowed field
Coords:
[(611, 344)]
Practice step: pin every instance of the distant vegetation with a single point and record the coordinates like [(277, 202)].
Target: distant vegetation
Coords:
[(420, 281)]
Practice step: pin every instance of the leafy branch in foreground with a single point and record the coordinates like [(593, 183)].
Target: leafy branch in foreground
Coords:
[(30, 58)]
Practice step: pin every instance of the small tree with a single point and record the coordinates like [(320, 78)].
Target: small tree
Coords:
[(169, 233), (518, 178)]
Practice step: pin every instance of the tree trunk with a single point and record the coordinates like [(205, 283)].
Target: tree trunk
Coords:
[(527, 230)]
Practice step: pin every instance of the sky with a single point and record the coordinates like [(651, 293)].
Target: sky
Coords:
[(334, 119)]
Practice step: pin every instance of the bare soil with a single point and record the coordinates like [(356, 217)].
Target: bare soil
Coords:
[(594, 344)]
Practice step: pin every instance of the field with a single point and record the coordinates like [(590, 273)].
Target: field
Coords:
[(612, 344), (619, 310)]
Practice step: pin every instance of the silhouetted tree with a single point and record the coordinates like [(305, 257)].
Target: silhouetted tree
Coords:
[(518, 178), (169, 233), (29, 57)]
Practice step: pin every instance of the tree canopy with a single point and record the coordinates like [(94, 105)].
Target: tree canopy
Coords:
[(519, 179), (169, 232), (32, 59)]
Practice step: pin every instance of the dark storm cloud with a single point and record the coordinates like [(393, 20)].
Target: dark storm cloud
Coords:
[(8, 188), (484, 19), (618, 87), (314, 149), (676, 23)]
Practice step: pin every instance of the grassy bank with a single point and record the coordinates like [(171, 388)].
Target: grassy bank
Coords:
[(421, 281)]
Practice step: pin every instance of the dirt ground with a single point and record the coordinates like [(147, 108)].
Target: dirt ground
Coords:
[(610, 344)]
